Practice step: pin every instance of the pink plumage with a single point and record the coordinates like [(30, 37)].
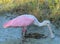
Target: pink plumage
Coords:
[(20, 21)]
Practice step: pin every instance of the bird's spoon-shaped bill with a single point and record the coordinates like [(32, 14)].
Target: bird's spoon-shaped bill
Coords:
[(52, 35)]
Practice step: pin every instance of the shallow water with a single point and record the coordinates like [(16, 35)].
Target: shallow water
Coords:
[(13, 35)]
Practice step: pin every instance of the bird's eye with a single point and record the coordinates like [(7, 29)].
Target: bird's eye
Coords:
[(47, 23)]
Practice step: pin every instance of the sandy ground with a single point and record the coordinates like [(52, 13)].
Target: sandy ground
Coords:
[(13, 35)]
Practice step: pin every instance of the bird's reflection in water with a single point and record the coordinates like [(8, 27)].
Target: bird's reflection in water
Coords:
[(35, 35)]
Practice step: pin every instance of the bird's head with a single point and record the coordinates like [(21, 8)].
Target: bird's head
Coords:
[(46, 22)]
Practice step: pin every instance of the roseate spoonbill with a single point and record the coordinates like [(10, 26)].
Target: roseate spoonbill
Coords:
[(26, 20)]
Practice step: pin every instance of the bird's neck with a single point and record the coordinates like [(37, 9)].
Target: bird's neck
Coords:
[(40, 24)]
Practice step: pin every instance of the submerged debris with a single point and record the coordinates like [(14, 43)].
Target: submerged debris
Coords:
[(35, 35)]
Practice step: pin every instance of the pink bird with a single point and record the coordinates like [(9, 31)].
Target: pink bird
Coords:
[(26, 20)]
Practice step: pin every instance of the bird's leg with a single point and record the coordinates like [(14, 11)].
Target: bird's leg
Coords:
[(24, 32), (52, 35)]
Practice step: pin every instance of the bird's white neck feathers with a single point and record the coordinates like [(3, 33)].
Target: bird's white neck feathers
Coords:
[(44, 23)]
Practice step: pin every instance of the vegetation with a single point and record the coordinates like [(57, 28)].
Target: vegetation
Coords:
[(42, 9)]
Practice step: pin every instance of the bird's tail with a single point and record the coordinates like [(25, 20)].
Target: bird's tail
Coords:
[(7, 24)]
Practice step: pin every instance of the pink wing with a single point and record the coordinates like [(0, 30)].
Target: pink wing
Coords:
[(19, 21)]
